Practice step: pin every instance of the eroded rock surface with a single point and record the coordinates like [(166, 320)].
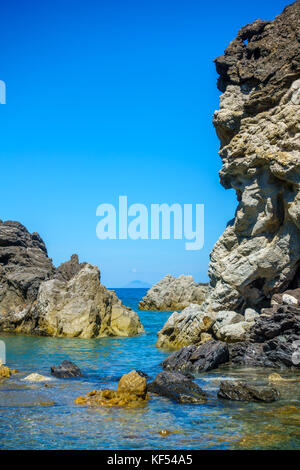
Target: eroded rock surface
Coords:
[(173, 293)]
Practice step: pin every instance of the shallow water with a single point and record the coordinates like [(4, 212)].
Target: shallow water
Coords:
[(35, 417)]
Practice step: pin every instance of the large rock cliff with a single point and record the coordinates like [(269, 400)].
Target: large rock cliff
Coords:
[(258, 254), (37, 298)]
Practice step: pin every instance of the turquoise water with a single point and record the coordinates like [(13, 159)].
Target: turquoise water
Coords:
[(35, 417)]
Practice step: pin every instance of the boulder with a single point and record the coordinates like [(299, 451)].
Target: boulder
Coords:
[(173, 293), (133, 383), (200, 358), (174, 333), (132, 391), (241, 391), (65, 370), (177, 387)]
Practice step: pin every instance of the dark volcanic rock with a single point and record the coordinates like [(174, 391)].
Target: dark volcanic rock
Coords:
[(240, 391), (265, 56), (273, 339), (178, 387), (24, 264), (66, 369), (201, 358)]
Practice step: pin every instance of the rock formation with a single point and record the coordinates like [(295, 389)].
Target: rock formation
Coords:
[(37, 298), (258, 125), (173, 293)]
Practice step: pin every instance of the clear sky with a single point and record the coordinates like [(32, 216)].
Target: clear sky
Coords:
[(109, 98)]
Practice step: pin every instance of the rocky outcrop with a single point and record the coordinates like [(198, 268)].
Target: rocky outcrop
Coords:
[(37, 298), (177, 387), (197, 359), (173, 293), (82, 307), (258, 125), (241, 391), (132, 391)]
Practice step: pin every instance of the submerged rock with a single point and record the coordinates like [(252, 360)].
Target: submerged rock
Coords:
[(132, 391), (178, 387), (241, 391), (66, 369), (200, 358), (173, 293)]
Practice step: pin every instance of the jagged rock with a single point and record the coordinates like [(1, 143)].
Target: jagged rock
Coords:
[(200, 358), (173, 293), (178, 387), (66, 369), (174, 333), (82, 307), (132, 391), (36, 298), (24, 264), (258, 125), (36, 378), (240, 391)]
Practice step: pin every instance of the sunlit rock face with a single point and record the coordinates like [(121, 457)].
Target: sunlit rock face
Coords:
[(259, 131)]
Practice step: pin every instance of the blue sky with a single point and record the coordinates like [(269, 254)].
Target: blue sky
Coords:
[(109, 98)]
